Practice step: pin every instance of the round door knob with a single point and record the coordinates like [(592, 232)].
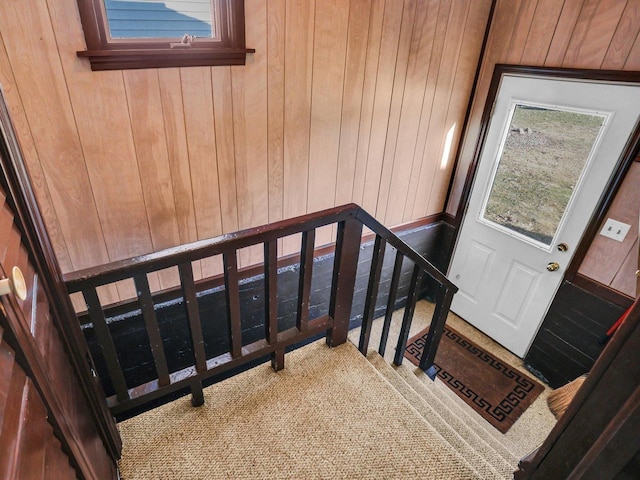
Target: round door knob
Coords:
[(563, 247), (14, 284), (553, 266)]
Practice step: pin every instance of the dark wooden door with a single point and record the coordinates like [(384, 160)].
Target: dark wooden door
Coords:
[(54, 422), (29, 447)]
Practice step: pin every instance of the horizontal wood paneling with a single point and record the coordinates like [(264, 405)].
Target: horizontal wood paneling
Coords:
[(335, 106), (596, 34)]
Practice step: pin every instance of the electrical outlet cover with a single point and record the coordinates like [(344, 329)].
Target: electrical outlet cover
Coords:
[(615, 229)]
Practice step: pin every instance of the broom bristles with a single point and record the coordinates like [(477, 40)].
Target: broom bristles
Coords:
[(560, 398)]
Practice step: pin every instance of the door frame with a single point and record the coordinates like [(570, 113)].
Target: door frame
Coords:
[(17, 183), (629, 154)]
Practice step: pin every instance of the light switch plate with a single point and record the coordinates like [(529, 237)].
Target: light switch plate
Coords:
[(615, 229)]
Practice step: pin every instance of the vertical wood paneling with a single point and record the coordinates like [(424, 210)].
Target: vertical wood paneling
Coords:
[(276, 13), (399, 84), (633, 60), (474, 29), (225, 148), (521, 31), (427, 108), (357, 37), (299, 37), (100, 105), (433, 160), (331, 25), (178, 156), (147, 125), (614, 263), (51, 121), (593, 33), (177, 152), (391, 26), (422, 45), (250, 123), (563, 32), (342, 101), (368, 96), (25, 138), (276, 18), (623, 39), (626, 280), (250, 116), (201, 143), (538, 41)]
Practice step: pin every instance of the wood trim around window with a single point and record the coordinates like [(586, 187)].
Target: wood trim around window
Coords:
[(106, 54)]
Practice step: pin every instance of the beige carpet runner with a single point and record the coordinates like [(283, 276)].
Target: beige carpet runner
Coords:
[(329, 414)]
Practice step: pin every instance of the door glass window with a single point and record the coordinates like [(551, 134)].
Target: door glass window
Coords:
[(544, 153)]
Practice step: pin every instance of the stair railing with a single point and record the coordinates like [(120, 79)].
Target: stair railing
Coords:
[(349, 219)]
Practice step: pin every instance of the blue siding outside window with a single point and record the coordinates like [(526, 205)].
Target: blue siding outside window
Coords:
[(159, 19)]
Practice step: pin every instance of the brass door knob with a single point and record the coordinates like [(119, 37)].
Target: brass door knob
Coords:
[(563, 247), (553, 266)]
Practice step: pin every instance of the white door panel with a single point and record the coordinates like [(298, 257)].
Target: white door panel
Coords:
[(535, 188)]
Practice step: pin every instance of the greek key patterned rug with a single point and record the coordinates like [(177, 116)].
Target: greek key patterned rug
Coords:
[(494, 389)]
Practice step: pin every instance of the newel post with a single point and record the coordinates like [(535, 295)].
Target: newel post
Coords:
[(344, 279)]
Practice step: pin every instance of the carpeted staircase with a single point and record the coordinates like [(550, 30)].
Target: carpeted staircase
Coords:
[(330, 413), (488, 457)]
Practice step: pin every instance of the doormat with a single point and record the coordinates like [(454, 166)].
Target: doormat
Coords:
[(494, 389)]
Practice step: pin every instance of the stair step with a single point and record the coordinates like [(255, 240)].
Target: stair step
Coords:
[(485, 460), (443, 436), (456, 413)]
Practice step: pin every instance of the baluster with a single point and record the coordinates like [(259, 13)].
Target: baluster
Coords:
[(391, 302), (232, 292), (151, 323), (193, 315), (345, 265), (106, 343), (271, 301), (412, 298), (444, 297), (304, 282), (372, 293)]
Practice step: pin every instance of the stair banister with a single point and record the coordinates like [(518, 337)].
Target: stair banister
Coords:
[(349, 219)]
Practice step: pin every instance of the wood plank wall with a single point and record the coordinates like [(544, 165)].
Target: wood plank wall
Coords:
[(359, 100), (608, 261), (597, 34)]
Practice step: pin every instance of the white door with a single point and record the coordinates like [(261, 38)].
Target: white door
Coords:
[(550, 150)]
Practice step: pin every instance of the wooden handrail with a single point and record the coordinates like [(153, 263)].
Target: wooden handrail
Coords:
[(396, 242), (350, 220), (169, 257)]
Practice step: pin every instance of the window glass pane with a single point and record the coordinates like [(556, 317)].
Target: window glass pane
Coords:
[(543, 157), (159, 19)]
